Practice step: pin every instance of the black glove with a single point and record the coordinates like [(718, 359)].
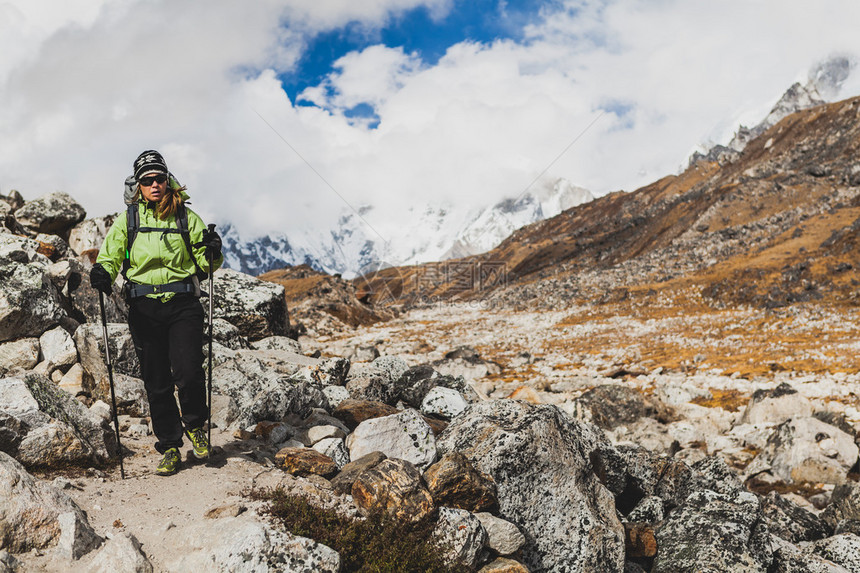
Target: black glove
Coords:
[(212, 241), (100, 279)]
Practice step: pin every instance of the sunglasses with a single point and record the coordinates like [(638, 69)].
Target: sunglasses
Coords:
[(148, 181)]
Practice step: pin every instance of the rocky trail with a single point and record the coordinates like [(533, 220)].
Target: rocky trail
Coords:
[(650, 408)]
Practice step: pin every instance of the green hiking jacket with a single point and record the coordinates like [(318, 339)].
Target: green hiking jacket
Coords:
[(156, 258)]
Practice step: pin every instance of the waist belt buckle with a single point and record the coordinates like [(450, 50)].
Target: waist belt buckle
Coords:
[(156, 289)]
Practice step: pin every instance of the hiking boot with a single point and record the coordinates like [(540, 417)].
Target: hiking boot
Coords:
[(169, 463), (199, 442)]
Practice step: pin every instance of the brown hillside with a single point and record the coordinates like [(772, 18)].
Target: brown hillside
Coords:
[(777, 225)]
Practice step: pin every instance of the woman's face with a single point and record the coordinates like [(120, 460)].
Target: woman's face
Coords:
[(153, 186)]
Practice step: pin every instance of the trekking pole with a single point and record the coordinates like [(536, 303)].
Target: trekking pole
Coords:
[(110, 378), (211, 228)]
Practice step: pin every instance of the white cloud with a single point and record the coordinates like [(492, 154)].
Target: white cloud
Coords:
[(85, 86)]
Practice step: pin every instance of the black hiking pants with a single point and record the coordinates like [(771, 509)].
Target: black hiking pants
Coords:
[(168, 338)]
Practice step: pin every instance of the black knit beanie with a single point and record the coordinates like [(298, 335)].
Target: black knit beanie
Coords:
[(149, 161)]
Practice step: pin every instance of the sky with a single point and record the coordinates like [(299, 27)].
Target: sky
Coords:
[(282, 115)]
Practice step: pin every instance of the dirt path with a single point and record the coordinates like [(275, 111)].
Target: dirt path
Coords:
[(150, 506)]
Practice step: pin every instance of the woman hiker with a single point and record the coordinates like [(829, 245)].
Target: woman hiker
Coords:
[(169, 248)]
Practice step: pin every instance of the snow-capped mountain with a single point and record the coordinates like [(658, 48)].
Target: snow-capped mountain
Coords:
[(427, 233), (823, 84)]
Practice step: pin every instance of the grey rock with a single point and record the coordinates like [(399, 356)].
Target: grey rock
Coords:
[(122, 552), (260, 393), (21, 354), (22, 250), (88, 235), (59, 429), (77, 538), (503, 537), (807, 450), (29, 302), (8, 563), (334, 448), (776, 406), (257, 308), (649, 510), (335, 395), (462, 536), (278, 343), (539, 459), (844, 504), (414, 384), (612, 405), (405, 436), (227, 335), (54, 213), (30, 511), (52, 246), (790, 521), (714, 532), (89, 339), (83, 299), (244, 544), (841, 549), (789, 558)]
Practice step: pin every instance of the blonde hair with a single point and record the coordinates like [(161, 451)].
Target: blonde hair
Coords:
[(168, 204)]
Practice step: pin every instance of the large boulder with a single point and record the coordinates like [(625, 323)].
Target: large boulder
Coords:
[(54, 213), (88, 236), (714, 532), (22, 354), (83, 299), (246, 544), (58, 349), (259, 393), (807, 450), (540, 460), (776, 406), (89, 339), (29, 301), (34, 515), (257, 308), (52, 427)]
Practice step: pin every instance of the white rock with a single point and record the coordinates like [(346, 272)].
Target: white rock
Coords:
[(776, 406), (58, 348), (443, 402), (405, 435), (335, 448), (73, 380), (16, 397), (121, 553), (22, 353), (318, 433), (503, 537), (677, 394)]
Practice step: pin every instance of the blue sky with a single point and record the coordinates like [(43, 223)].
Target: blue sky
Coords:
[(281, 112), (416, 31)]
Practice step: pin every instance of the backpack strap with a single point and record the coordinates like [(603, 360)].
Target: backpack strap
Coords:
[(133, 228), (182, 223), (132, 223)]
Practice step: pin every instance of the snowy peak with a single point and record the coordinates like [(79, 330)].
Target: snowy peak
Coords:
[(428, 232)]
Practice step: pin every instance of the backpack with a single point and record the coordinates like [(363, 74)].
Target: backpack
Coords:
[(133, 226)]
